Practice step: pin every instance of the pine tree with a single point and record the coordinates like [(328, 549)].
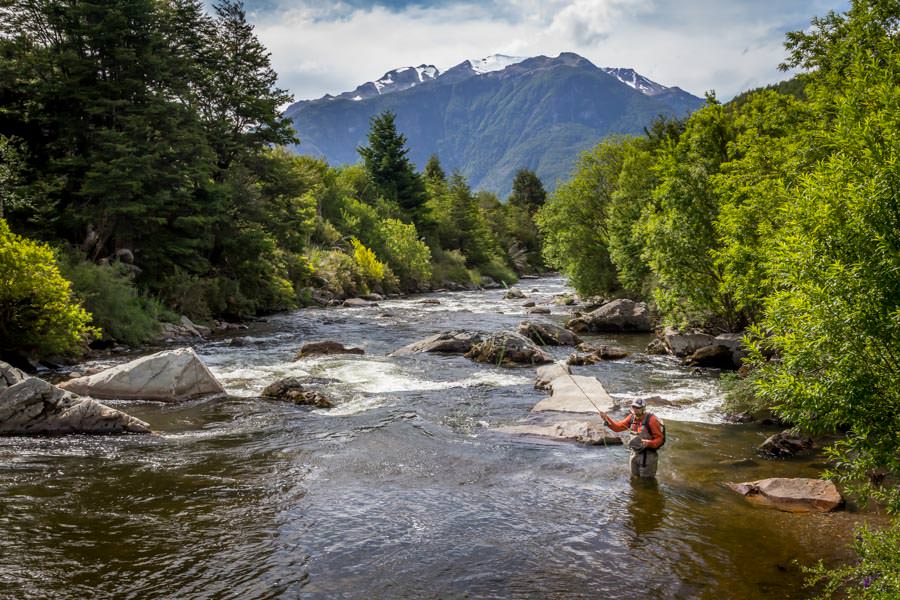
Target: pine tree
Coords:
[(394, 175), (527, 191)]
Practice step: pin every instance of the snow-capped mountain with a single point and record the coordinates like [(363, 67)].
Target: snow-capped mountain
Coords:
[(492, 116), (392, 81), (635, 80)]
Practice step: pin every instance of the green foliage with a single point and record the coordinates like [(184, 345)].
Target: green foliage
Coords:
[(371, 269), (876, 575), (407, 255), (386, 162), (574, 225), (339, 271), (450, 267), (527, 191), (109, 294), (38, 313)]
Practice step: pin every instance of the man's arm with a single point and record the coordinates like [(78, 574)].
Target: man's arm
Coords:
[(617, 425)]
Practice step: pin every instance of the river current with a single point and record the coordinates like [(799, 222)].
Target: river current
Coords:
[(403, 490)]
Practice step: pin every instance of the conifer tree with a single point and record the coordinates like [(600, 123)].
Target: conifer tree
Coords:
[(527, 191)]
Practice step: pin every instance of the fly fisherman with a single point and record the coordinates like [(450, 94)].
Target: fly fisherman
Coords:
[(646, 436)]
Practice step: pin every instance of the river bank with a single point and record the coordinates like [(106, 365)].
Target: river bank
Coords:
[(403, 490)]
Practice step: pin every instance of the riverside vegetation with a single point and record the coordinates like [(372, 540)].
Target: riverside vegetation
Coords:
[(778, 213), (142, 142)]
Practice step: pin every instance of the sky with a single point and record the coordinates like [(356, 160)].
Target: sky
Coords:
[(726, 46)]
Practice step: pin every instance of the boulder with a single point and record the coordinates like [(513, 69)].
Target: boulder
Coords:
[(432, 301), (657, 347), (373, 297), (685, 343), (325, 347), (514, 294), (564, 300), (357, 303), (791, 494), (621, 315), (580, 359), (34, 407), (298, 391), (735, 343), (603, 351), (449, 342), (567, 394), (785, 444), (712, 357), (189, 326), (507, 348), (538, 310), (529, 304), (322, 297), (548, 334), (170, 376), (10, 376), (584, 432), (548, 373)]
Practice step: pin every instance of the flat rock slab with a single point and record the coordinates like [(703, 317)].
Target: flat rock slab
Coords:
[(583, 432), (35, 407), (567, 394), (169, 376), (548, 373), (791, 494)]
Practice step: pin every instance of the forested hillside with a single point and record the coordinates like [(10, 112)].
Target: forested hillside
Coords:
[(143, 142), (778, 214)]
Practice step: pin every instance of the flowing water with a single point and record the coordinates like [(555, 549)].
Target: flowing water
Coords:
[(403, 490)]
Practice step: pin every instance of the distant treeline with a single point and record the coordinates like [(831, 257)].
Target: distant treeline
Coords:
[(143, 141)]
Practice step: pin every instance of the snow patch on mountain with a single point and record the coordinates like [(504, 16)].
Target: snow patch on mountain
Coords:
[(635, 80), (495, 62)]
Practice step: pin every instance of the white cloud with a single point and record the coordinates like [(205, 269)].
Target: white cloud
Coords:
[(698, 45)]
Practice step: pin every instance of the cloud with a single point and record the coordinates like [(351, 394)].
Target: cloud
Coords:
[(323, 47)]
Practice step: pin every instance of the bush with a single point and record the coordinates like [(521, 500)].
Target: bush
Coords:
[(407, 255), (339, 271), (876, 576), (450, 266), (498, 271), (371, 269), (109, 294), (39, 314)]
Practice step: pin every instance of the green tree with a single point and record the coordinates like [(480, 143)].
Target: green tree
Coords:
[(39, 315), (573, 222), (527, 191), (390, 169)]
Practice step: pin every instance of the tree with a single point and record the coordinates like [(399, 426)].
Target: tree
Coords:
[(38, 312), (527, 191), (394, 176), (573, 222), (433, 170)]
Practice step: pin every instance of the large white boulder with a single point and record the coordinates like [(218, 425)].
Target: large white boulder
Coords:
[(548, 373), (792, 494), (170, 376), (619, 316), (685, 343), (569, 393), (34, 407)]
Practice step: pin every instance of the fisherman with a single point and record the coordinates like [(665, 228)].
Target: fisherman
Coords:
[(646, 437)]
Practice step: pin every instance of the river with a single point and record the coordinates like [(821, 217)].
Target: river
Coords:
[(403, 490)]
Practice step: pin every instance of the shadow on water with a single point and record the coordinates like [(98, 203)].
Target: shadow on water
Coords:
[(403, 490)]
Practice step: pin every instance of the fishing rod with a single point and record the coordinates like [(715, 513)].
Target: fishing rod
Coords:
[(602, 413)]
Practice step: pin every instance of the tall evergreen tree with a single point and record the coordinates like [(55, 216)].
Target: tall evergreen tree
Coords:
[(527, 191), (394, 175)]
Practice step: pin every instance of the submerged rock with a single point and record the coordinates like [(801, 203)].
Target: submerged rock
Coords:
[(584, 432), (570, 393), (622, 316), (507, 348), (170, 376), (34, 407), (357, 303), (325, 347), (548, 334), (791, 495), (298, 391), (449, 342), (514, 294)]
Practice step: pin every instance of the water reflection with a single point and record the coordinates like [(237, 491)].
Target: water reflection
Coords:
[(647, 506)]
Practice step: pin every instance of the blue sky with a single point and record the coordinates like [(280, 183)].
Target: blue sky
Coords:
[(728, 46)]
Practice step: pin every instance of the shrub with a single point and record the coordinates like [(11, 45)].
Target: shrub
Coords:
[(371, 269), (39, 314), (407, 255), (111, 297), (339, 272), (450, 266), (498, 271)]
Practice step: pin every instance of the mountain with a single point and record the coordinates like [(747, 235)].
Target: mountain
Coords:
[(490, 117)]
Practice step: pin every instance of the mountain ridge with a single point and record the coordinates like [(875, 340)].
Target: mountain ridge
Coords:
[(537, 113)]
